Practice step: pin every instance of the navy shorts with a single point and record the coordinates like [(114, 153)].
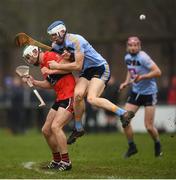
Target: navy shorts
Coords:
[(100, 72), (142, 100), (66, 104)]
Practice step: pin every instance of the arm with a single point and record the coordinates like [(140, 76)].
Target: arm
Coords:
[(128, 77), (66, 58), (154, 72), (42, 84), (73, 66), (126, 82), (46, 70)]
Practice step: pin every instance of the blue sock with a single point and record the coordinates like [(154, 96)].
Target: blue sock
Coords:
[(78, 125), (120, 111)]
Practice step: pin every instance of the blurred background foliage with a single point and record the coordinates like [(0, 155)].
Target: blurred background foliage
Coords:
[(106, 24)]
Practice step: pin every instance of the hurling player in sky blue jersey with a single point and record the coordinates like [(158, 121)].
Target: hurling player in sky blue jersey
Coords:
[(142, 71), (94, 75)]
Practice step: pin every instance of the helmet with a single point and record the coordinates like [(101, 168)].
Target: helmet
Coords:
[(56, 27), (31, 55), (31, 51)]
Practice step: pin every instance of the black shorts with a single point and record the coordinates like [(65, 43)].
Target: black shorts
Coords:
[(66, 104), (142, 100), (100, 72)]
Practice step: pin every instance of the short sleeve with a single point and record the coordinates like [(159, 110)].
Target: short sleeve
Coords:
[(146, 60), (78, 43)]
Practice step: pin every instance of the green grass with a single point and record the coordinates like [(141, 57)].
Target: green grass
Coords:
[(93, 156)]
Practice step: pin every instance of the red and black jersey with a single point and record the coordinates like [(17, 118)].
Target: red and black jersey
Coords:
[(63, 84)]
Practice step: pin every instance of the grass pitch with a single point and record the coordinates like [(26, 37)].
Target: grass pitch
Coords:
[(93, 156)]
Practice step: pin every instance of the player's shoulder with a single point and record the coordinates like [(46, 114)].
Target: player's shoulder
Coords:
[(75, 37), (145, 59), (143, 54), (127, 56), (52, 55)]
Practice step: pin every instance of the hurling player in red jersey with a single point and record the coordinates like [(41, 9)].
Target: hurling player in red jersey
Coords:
[(61, 112)]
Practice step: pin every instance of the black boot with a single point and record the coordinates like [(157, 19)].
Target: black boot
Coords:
[(131, 150), (74, 135), (158, 151)]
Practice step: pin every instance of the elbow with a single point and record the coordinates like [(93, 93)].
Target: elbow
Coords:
[(159, 73), (78, 67)]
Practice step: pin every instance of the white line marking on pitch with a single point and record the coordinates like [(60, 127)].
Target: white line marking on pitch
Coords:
[(30, 165)]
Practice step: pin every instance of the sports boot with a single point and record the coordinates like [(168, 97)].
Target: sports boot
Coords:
[(126, 118), (64, 166), (158, 151), (74, 135), (131, 150)]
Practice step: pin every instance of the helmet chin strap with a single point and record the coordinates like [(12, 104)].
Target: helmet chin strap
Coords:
[(37, 62), (61, 38)]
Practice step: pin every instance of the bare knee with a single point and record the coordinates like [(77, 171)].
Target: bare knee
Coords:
[(91, 100), (55, 128), (46, 132), (149, 128), (78, 96)]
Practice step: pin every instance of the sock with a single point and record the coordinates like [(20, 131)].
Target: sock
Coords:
[(78, 125), (57, 157), (156, 141), (130, 142), (120, 111), (65, 157)]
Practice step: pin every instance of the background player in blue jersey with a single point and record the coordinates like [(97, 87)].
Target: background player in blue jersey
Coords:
[(142, 71), (94, 74)]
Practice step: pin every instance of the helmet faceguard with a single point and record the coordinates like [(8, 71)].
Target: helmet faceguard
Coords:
[(133, 45), (31, 55), (57, 28)]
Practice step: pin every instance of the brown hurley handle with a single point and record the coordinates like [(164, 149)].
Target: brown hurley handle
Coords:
[(22, 39)]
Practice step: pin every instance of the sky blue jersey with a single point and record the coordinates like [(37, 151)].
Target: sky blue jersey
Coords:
[(141, 64), (75, 42)]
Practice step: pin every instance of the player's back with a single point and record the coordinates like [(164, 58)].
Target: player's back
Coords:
[(77, 42)]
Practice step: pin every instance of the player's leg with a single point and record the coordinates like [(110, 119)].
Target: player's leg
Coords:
[(96, 87), (50, 138), (149, 124), (79, 105), (62, 117), (132, 149), (99, 77), (79, 108)]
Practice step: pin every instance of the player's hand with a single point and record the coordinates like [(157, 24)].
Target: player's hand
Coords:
[(45, 70), (122, 86), (138, 78), (31, 79), (24, 79), (53, 65), (28, 78)]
